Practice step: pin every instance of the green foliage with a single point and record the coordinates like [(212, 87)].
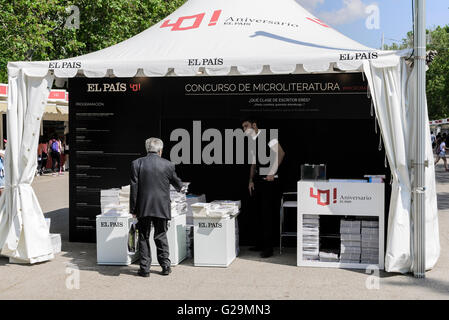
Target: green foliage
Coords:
[(438, 73), (405, 43), (33, 30)]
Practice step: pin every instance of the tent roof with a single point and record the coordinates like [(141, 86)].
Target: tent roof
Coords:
[(219, 34)]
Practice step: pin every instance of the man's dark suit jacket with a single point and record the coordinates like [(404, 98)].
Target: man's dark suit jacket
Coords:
[(151, 177)]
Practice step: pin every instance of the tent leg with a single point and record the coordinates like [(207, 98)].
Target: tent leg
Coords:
[(419, 261)]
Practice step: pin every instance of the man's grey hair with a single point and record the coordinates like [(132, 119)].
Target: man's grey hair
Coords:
[(154, 145)]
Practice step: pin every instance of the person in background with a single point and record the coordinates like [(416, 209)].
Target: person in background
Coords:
[(441, 153), (66, 152), (2, 168), (151, 177), (437, 144), (433, 139), (42, 156), (61, 155), (54, 149)]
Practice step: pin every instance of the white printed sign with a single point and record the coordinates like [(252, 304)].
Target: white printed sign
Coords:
[(340, 198)]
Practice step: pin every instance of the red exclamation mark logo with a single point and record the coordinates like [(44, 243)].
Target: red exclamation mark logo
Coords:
[(335, 195), (215, 17)]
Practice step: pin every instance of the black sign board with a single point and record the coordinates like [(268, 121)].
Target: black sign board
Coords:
[(324, 118)]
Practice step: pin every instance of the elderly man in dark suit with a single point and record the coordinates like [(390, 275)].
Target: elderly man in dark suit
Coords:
[(151, 177)]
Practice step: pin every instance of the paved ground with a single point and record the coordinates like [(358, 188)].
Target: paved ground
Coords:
[(247, 278)]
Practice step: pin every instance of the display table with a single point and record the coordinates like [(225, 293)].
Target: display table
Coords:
[(114, 238), (176, 235), (357, 208), (214, 241)]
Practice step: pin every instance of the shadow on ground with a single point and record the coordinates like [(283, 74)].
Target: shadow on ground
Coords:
[(438, 286), (441, 176), (443, 201), (83, 256), (4, 261), (59, 222), (286, 258)]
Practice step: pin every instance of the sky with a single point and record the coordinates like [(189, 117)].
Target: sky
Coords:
[(394, 17)]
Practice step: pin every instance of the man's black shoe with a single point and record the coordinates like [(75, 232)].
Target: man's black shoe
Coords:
[(143, 274), (266, 254), (256, 248), (166, 271)]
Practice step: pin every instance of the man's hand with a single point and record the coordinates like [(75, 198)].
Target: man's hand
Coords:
[(134, 216), (251, 187), (184, 189), (269, 178)]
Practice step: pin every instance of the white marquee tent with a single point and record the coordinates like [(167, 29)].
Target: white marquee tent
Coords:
[(221, 37)]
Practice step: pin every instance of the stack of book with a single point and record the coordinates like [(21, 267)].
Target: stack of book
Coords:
[(234, 206), (328, 256), (191, 200), (110, 203), (370, 242), (311, 237), (189, 241), (178, 202), (212, 210), (350, 247), (124, 197)]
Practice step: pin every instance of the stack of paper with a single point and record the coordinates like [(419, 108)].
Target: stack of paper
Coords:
[(124, 197), (212, 210), (350, 246), (199, 210), (178, 201), (193, 199), (328, 256), (234, 206), (110, 203), (311, 237), (189, 241), (370, 242), (215, 210)]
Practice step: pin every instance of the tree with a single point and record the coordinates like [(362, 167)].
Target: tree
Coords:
[(405, 43), (438, 73), (33, 30)]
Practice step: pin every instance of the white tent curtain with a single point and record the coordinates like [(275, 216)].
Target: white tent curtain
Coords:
[(395, 104), (24, 235)]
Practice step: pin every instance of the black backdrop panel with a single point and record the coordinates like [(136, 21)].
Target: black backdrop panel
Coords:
[(108, 121), (320, 119)]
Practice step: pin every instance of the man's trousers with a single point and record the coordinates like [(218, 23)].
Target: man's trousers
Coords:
[(160, 239)]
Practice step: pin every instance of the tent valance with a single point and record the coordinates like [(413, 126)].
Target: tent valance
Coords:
[(215, 36)]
